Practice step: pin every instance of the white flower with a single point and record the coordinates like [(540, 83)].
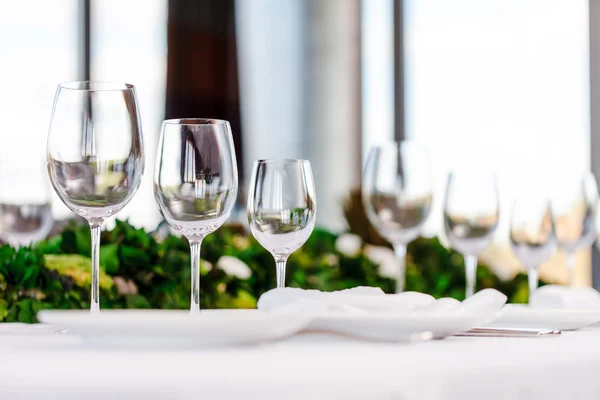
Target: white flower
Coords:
[(348, 244), (234, 267), (385, 258), (205, 266)]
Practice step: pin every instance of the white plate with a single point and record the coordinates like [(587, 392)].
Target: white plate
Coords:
[(396, 327), (522, 316), (176, 328)]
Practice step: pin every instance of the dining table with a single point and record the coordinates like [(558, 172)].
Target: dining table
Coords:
[(39, 363)]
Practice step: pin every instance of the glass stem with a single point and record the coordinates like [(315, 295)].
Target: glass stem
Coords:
[(471, 273), (280, 271), (195, 257), (95, 290), (570, 267), (533, 274), (400, 251)]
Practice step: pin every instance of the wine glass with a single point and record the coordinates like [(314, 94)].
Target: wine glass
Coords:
[(397, 193), (532, 235), (471, 213), (282, 208), (574, 209), (25, 205), (95, 154), (195, 182)]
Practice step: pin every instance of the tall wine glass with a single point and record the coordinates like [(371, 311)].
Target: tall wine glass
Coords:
[(95, 154), (282, 208), (471, 213), (532, 235), (195, 182), (574, 209), (397, 192), (25, 201)]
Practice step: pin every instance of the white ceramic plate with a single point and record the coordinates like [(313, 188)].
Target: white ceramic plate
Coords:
[(396, 327), (522, 316), (176, 328)]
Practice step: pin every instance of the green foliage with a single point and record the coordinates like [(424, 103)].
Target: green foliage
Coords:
[(140, 272), (76, 267)]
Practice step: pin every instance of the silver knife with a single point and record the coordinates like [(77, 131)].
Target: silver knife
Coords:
[(509, 332)]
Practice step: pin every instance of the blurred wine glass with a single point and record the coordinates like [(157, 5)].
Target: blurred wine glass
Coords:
[(95, 155), (195, 182), (574, 210), (282, 208), (25, 205), (532, 235), (397, 193), (471, 213)]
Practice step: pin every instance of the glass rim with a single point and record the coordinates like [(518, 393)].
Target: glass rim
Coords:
[(195, 121), (103, 86), (281, 161)]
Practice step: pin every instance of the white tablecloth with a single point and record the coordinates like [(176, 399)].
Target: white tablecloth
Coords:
[(38, 365)]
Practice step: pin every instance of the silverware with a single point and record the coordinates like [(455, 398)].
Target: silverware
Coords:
[(509, 332)]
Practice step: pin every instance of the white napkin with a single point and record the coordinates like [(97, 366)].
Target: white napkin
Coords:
[(368, 299), (564, 297)]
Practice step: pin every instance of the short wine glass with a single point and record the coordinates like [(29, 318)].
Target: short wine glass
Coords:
[(25, 201), (574, 211), (471, 214), (282, 208), (397, 194), (532, 235), (95, 155), (195, 182)]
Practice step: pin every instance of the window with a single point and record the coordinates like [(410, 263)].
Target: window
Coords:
[(501, 84), (40, 48), (377, 63), (129, 44)]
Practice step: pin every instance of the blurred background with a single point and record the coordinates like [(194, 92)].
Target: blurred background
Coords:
[(504, 84)]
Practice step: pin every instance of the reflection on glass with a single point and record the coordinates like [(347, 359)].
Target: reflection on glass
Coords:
[(397, 195), (282, 208), (532, 235), (471, 214)]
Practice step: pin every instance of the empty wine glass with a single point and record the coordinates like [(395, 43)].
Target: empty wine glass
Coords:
[(532, 235), (25, 205), (471, 214), (195, 182), (95, 154), (574, 210), (397, 192), (282, 208)]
